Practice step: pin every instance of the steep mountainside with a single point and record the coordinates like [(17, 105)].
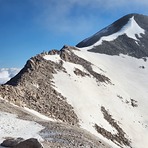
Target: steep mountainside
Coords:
[(99, 86)]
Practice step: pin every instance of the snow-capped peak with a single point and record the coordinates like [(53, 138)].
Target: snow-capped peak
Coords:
[(131, 29)]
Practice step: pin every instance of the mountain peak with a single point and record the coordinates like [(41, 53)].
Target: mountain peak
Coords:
[(120, 37)]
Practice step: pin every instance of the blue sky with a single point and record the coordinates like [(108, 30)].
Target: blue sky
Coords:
[(28, 27)]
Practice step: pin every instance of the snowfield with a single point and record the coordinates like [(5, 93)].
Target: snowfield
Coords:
[(11, 126), (125, 98), (130, 82)]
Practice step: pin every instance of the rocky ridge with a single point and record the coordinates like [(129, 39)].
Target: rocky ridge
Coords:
[(33, 86)]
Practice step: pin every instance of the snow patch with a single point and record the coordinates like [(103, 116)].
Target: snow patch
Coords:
[(41, 116), (11, 126), (54, 58)]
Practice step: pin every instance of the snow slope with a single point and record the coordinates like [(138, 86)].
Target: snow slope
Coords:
[(125, 98)]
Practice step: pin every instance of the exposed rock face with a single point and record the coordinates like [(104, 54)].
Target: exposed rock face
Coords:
[(33, 87), (80, 73)]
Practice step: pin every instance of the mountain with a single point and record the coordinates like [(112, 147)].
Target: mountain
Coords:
[(121, 37), (93, 95)]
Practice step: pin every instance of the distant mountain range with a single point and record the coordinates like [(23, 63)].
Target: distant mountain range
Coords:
[(94, 94)]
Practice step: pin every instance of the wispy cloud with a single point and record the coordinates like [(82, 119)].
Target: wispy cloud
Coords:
[(76, 17), (7, 73), (67, 16)]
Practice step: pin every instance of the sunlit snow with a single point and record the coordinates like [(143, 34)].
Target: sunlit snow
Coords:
[(55, 58), (11, 126), (35, 113), (87, 96)]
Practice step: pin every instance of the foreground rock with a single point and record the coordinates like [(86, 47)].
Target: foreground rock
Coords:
[(21, 143), (10, 142)]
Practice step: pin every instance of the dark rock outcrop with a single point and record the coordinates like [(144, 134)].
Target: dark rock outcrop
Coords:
[(11, 142), (29, 143)]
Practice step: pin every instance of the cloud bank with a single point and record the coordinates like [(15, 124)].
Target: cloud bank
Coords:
[(7, 73)]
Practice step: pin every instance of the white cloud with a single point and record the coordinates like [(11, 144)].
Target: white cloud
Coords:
[(7, 73)]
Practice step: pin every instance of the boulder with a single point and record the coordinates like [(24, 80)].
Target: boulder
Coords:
[(10, 142), (29, 143)]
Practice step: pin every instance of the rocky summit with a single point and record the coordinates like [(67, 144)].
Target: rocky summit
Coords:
[(93, 95)]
